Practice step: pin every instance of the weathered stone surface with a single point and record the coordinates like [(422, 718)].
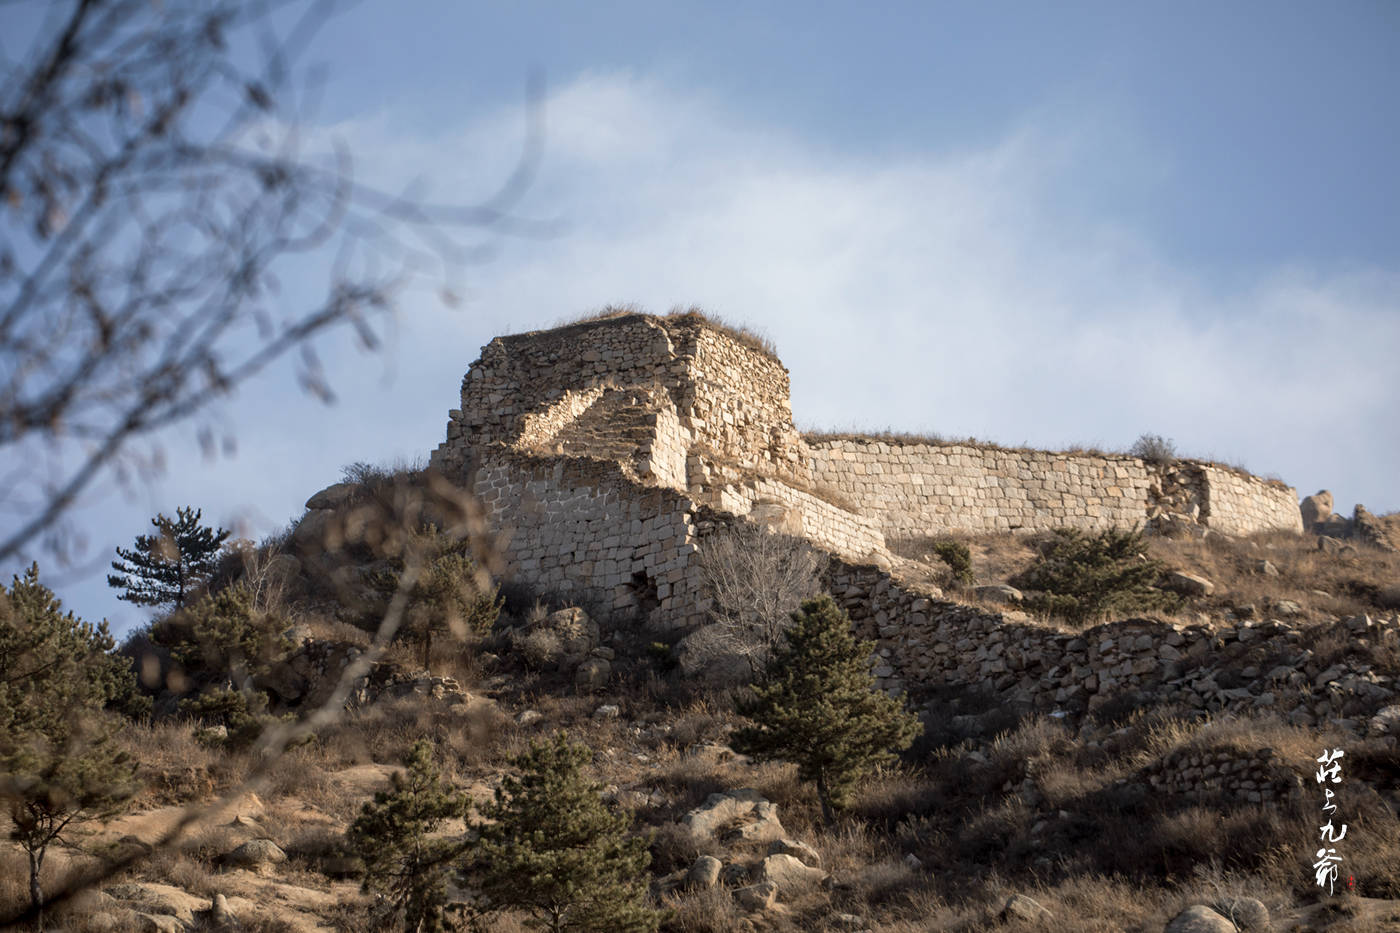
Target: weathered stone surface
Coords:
[(999, 593), (759, 896), (1199, 919), (592, 675), (743, 811), (798, 850), (256, 853), (1249, 914), (704, 873), (333, 496), (1189, 584), (1316, 508), (1025, 909), (788, 873)]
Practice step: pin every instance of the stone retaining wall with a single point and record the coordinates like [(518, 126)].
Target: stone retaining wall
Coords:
[(924, 642)]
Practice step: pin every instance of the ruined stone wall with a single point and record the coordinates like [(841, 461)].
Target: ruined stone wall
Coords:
[(736, 403), (923, 642), (920, 489), (1240, 504), (696, 387), (579, 530), (801, 513)]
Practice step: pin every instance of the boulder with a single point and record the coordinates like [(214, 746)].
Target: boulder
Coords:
[(559, 640), (1199, 919), (255, 854), (1266, 567), (310, 533), (788, 873), (333, 496), (1024, 909), (1249, 914), (999, 593), (529, 717), (759, 896), (1366, 527), (607, 711), (592, 675), (1189, 584), (743, 813), (218, 910), (1316, 508), (704, 873), (798, 850)]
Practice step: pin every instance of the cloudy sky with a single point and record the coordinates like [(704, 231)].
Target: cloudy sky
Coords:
[(1037, 224)]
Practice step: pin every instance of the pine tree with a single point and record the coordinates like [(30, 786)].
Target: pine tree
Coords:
[(1082, 577), (817, 707), (58, 763), (403, 865), (225, 644), (164, 568), (557, 852), (448, 597)]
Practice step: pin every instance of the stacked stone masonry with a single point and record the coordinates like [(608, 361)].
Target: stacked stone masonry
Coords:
[(601, 449)]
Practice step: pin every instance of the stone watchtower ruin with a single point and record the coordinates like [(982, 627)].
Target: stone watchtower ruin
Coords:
[(606, 451)]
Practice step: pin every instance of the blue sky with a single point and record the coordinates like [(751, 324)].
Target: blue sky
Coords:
[(1032, 223)]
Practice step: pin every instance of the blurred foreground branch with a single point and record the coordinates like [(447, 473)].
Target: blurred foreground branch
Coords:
[(155, 176)]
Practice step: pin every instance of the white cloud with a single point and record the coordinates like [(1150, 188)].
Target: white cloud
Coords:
[(951, 292)]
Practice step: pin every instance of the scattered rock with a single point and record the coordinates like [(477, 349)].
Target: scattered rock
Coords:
[(741, 813), (607, 711), (1316, 508), (1266, 567), (1199, 919), (759, 896), (788, 873), (704, 873), (1025, 909), (256, 854), (1288, 608), (1189, 584), (529, 717), (913, 862), (1249, 914), (798, 850)]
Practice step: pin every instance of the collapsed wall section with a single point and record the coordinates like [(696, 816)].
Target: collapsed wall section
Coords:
[(735, 403), (914, 490), (800, 513), (925, 645)]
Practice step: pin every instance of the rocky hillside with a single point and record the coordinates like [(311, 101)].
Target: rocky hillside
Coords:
[(1182, 802)]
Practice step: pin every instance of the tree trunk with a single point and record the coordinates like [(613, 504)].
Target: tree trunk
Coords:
[(36, 893), (824, 796)]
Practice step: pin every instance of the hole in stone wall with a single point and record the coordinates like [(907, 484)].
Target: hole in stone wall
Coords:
[(644, 594)]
